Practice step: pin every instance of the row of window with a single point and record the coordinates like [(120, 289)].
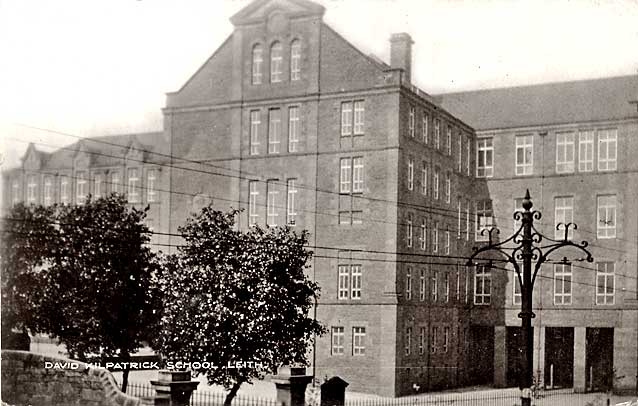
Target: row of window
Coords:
[(99, 185), (563, 277), (461, 142), (274, 132), (425, 184), (274, 202), (570, 147), (276, 62)]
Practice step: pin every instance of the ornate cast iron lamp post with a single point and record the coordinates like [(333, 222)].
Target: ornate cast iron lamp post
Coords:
[(527, 248)]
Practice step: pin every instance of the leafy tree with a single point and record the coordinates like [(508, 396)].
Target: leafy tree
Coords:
[(95, 291), (232, 296)]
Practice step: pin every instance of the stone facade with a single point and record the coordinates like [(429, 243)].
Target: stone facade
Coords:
[(26, 381)]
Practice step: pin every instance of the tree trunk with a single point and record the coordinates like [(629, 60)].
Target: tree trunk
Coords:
[(232, 393)]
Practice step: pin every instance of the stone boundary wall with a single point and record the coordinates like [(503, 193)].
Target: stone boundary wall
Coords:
[(26, 381)]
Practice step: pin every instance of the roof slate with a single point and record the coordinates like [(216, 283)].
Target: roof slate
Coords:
[(545, 104)]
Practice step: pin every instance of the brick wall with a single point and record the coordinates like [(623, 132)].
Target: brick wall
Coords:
[(25, 380)]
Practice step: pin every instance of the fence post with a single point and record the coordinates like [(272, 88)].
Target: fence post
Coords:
[(291, 385), (173, 388)]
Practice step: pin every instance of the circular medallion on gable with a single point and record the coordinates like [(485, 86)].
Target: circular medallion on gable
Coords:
[(277, 23)]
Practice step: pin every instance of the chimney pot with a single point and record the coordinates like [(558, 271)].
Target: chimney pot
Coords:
[(401, 53)]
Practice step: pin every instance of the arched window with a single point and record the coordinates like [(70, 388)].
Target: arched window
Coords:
[(258, 60), (295, 60), (276, 62)]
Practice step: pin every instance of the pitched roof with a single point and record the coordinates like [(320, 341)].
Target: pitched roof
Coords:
[(258, 9), (111, 150), (545, 104)]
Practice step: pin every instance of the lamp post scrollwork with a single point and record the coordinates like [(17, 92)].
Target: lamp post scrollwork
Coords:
[(526, 246)]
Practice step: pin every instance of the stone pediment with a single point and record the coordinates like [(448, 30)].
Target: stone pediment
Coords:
[(261, 10)]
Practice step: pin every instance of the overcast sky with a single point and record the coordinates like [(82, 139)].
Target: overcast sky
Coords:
[(103, 67)]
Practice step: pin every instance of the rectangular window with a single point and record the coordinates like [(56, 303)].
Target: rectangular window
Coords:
[(424, 235), (408, 284), (409, 231), (563, 213), (448, 187), (80, 184), (295, 57), (459, 210), (467, 284), (408, 340), (446, 281), (271, 203), (357, 175), (422, 285), (458, 283), (293, 129), (345, 175), (274, 131), (424, 179), (338, 340), (434, 340), (606, 216), (446, 339), (291, 202), (411, 121), (358, 341), (435, 238), (586, 151), (524, 154), (32, 187), (255, 123), (565, 152), (434, 286), (437, 133), (151, 193), (15, 192), (276, 63), (359, 117), (562, 284), (64, 190), (48, 191), (482, 285), (350, 282), (437, 174), (346, 118), (422, 340), (133, 185), (253, 196), (517, 296), (446, 248), (257, 63), (448, 140), (467, 221), (468, 145), (605, 283), (425, 128), (97, 185), (355, 288), (484, 219), (115, 182), (607, 144), (459, 162), (344, 282), (410, 174), (485, 158)]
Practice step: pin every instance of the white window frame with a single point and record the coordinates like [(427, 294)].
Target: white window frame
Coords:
[(272, 195), (48, 191), (356, 280), (253, 196), (410, 173), (357, 174), (349, 281), (338, 338), (606, 280), (424, 235), (563, 284), (563, 213), (424, 179), (434, 286), (586, 151), (606, 216), (411, 121), (408, 341), (291, 199), (359, 117), (446, 248), (97, 185), (517, 292), (15, 192), (409, 229), (255, 123), (257, 64), (293, 128), (434, 340), (115, 182), (80, 187), (437, 133), (485, 158), (468, 145), (408, 284), (295, 60), (133, 179), (482, 285), (435, 238), (448, 140), (483, 220), (422, 285), (425, 121), (421, 340), (151, 192), (276, 62), (346, 118), (446, 339), (64, 189), (460, 156), (436, 181), (446, 284), (459, 209), (565, 152), (274, 131), (345, 175), (32, 187), (607, 150), (343, 282), (448, 187), (524, 143), (358, 341)]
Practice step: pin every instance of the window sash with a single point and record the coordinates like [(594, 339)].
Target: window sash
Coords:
[(293, 129), (276, 63), (586, 151), (448, 140), (151, 193), (97, 185), (356, 280), (357, 175), (274, 131), (424, 179), (606, 226), (338, 340), (437, 133), (607, 153), (524, 155), (605, 283), (255, 123), (409, 232), (434, 286), (358, 340), (435, 190), (563, 213), (359, 117), (422, 286), (272, 195), (562, 284), (408, 340), (410, 174), (31, 189), (295, 59), (253, 195), (425, 128), (485, 158), (482, 286), (565, 152), (257, 64), (133, 185), (448, 187), (291, 210), (115, 182), (80, 192), (345, 175), (346, 118), (48, 191), (408, 284), (424, 235)]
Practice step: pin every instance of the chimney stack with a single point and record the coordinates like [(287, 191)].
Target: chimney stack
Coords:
[(401, 54)]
